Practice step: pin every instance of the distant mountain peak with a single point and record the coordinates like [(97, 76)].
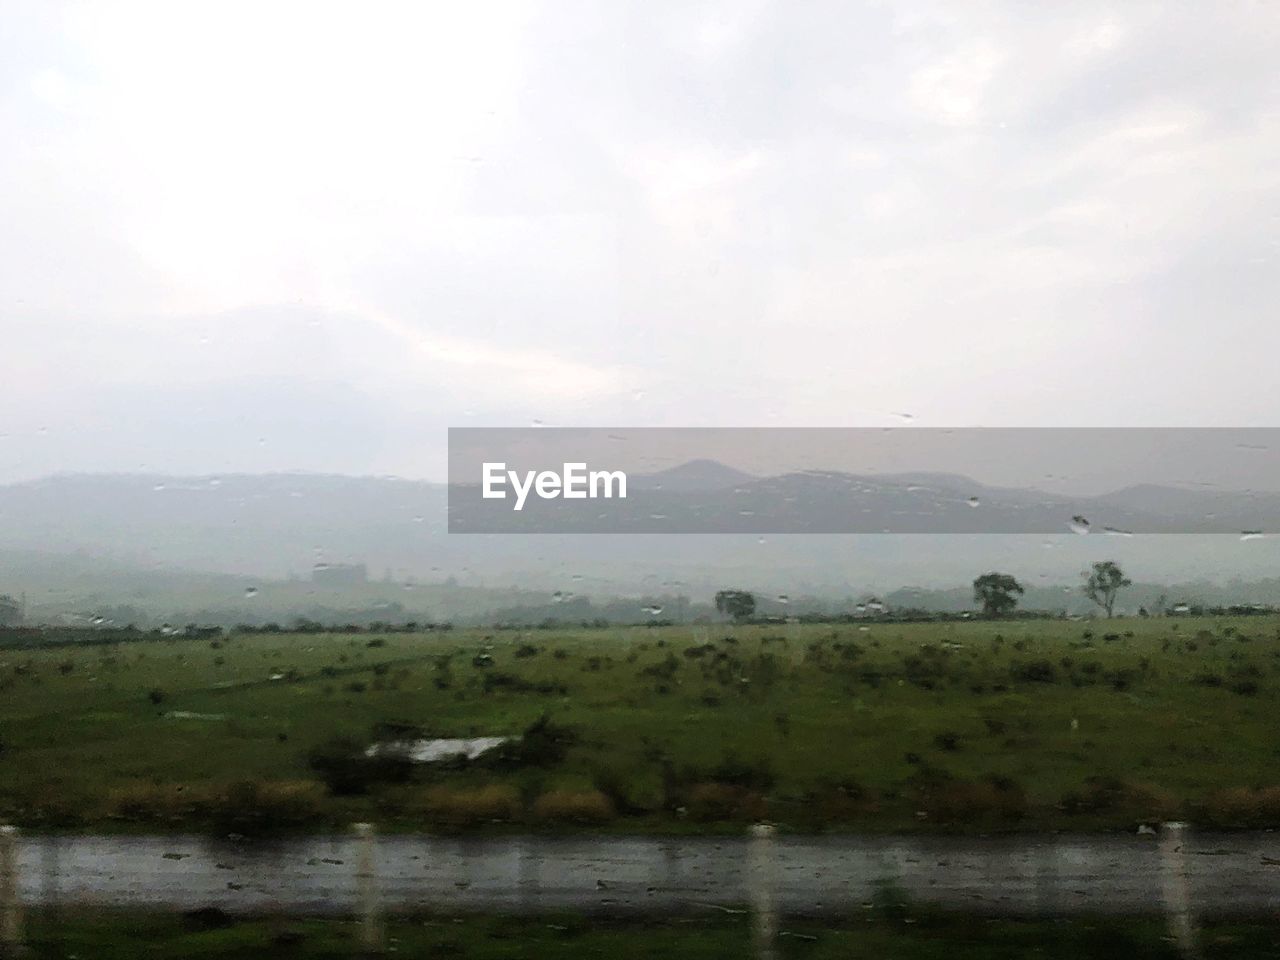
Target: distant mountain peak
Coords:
[(694, 475)]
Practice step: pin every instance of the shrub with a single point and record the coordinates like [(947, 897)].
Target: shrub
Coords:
[(753, 775), (1242, 807), (713, 801), (147, 801), (1034, 671), (1120, 798), (264, 806), (841, 801), (345, 769), (463, 807), (954, 801), (543, 744), (156, 696), (947, 741), (577, 806)]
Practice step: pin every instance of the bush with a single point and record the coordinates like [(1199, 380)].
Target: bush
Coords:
[(840, 802), (715, 801), (146, 801), (543, 744), (1242, 807), (345, 769), (953, 801), (264, 806), (580, 806), (1034, 671), (156, 696), (1121, 799), (461, 807)]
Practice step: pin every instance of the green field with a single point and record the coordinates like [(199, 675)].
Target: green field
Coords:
[(1032, 725), (125, 936)]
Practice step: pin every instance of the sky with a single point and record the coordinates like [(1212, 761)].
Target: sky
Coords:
[(242, 237)]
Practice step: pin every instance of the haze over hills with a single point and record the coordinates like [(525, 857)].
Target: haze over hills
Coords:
[(206, 538)]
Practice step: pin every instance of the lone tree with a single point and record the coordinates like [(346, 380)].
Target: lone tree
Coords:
[(1103, 583), (738, 604), (997, 592)]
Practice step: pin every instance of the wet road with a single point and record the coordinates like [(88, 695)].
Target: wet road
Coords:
[(1235, 873)]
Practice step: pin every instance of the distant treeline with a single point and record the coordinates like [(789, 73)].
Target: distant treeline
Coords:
[(36, 637)]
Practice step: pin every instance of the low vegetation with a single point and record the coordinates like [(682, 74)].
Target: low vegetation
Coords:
[(865, 726), (888, 926)]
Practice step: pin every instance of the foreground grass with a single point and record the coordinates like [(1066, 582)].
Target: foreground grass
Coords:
[(958, 726), (126, 936)]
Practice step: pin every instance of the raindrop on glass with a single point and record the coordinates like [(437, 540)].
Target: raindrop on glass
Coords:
[(1079, 525)]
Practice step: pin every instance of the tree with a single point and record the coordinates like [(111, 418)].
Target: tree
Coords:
[(738, 604), (997, 592), (1103, 583)]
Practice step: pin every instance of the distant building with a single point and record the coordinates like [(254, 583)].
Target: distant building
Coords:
[(339, 574)]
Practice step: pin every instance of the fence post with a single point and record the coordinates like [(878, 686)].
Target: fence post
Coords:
[(372, 940), (1177, 887), (760, 892), (10, 909)]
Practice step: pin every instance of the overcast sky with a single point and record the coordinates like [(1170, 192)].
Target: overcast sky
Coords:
[(266, 236)]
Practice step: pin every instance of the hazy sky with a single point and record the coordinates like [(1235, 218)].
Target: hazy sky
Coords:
[(259, 236)]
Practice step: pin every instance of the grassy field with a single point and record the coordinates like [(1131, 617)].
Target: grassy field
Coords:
[(947, 726), (125, 936)]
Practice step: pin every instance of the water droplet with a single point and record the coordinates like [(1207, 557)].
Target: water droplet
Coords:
[(1251, 535), (783, 598), (653, 611), (973, 501), (158, 487), (905, 416), (250, 592), (1117, 532), (761, 540), (1079, 525)]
